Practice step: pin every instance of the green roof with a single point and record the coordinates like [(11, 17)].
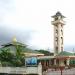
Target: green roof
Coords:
[(13, 43), (58, 14), (72, 61), (64, 53), (12, 47), (27, 50)]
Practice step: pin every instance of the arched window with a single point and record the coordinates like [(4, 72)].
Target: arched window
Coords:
[(61, 31), (61, 40)]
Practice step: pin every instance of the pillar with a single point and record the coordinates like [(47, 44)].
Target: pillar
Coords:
[(39, 69), (54, 61), (68, 61), (61, 62)]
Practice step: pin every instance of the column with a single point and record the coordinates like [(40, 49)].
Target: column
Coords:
[(45, 63), (61, 62), (49, 62), (68, 60), (54, 61), (39, 69)]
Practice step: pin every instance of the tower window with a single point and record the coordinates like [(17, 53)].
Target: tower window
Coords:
[(56, 40), (56, 31), (61, 37), (61, 40), (61, 32), (56, 26), (62, 48), (56, 18), (61, 25), (56, 49)]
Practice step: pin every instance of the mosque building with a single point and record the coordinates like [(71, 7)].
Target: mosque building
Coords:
[(60, 57)]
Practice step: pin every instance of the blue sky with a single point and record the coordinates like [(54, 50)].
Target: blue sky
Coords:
[(30, 22)]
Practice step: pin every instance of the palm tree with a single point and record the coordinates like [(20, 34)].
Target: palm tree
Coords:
[(6, 57)]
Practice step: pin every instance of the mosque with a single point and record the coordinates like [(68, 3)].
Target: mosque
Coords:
[(60, 57)]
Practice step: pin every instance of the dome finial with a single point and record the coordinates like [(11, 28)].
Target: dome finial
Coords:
[(14, 39)]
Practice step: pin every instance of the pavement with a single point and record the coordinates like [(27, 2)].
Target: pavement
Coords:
[(64, 72)]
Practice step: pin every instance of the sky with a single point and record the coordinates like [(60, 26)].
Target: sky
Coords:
[(30, 22)]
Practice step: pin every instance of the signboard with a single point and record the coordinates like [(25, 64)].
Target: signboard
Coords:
[(31, 61)]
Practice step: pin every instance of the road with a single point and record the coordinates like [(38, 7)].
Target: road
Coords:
[(64, 72)]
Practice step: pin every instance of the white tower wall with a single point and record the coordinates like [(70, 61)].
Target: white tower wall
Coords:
[(58, 32)]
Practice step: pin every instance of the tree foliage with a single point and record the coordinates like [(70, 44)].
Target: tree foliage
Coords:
[(20, 57), (9, 59), (45, 52), (5, 55)]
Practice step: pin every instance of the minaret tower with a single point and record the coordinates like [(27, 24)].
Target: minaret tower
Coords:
[(58, 32)]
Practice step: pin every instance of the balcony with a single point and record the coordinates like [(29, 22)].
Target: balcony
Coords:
[(58, 22)]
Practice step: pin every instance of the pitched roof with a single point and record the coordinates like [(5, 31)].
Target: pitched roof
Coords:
[(30, 51), (58, 14), (12, 47), (13, 43)]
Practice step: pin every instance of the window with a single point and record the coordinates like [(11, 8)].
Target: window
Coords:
[(56, 40), (61, 32), (61, 25), (56, 49), (62, 48), (56, 31), (61, 40), (56, 18)]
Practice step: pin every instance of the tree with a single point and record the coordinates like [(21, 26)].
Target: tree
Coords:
[(45, 52), (6, 57), (20, 57), (9, 59)]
